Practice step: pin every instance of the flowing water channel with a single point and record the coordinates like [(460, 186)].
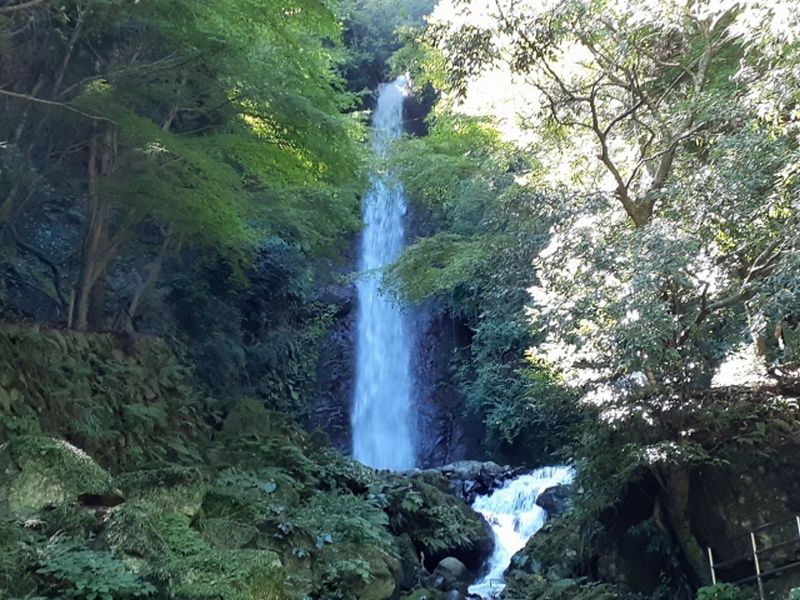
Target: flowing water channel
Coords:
[(382, 409), (515, 517)]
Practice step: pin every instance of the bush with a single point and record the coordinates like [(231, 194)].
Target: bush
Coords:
[(89, 574), (720, 591)]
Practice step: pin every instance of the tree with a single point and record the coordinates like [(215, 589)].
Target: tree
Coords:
[(199, 124), (662, 94)]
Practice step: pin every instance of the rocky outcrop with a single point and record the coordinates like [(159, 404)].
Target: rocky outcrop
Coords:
[(450, 575), (330, 408), (444, 433)]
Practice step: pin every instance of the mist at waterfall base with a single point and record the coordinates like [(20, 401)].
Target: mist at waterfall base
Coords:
[(382, 406), (515, 517)]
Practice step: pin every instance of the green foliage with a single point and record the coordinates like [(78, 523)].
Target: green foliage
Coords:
[(232, 126), (111, 394), (89, 574), (260, 337), (720, 591), (373, 31), (487, 230), (441, 265), (437, 523), (18, 551), (345, 519)]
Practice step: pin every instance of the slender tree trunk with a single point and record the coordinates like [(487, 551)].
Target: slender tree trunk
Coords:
[(128, 319), (97, 248)]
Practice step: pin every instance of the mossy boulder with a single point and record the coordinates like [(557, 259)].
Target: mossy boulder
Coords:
[(553, 551), (225, 575), (171, 488), (438, 524), (38, 472)]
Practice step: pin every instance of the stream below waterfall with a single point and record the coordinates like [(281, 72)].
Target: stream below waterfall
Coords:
[(515, 517)]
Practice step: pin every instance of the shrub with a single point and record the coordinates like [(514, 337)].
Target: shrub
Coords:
[(720, 591), (81, 574)]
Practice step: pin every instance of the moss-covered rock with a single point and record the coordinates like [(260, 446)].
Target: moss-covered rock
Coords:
[(172, 488), (553, 552), (439, 524), (39, 472)]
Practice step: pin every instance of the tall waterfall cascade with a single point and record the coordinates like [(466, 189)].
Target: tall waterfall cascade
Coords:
[(515, 517), (381, 419)]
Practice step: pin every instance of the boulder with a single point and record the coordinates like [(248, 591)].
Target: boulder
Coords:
[(552, 552), (439, 524), (451, 575), (171, 489), (38, 472), (557, 499)]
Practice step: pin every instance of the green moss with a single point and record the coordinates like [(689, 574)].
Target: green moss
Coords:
[(38, 472), (126, 401), (171, 488), (221, 575), (227, 533), (439, 524), (553, 551)]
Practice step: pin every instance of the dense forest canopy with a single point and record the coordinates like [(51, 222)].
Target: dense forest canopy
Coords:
[(191, 124), (670, 134)]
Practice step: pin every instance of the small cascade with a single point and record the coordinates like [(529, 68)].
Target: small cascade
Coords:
[(382, 408), (514, 516)]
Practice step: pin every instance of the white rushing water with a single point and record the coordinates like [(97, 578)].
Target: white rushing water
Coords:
[(514, 516), (382, 408)]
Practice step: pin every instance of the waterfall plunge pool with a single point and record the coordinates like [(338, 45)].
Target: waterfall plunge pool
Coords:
[(515, 517)]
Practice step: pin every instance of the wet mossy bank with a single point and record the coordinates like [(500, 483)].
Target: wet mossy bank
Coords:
[(120, 479)]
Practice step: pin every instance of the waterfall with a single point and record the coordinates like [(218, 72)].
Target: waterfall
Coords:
[(514, 516), (382, 407)]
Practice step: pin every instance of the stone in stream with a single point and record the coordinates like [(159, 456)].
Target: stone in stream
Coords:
[(451, 575), (557, 499)]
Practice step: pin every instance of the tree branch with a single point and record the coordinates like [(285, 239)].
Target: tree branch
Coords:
[(28, 98), (16, 7)]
